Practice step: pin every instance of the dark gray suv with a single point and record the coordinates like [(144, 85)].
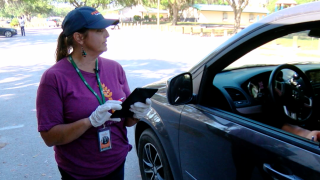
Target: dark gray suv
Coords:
[(224, 118), (8, 32)]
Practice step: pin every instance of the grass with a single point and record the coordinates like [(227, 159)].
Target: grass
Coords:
[(303, 44)]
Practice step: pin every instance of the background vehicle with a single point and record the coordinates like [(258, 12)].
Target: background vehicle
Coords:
[(53, 22), (8, 32), (223, 118)]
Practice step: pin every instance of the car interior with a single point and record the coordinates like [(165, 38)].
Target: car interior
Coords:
[(271, 79)]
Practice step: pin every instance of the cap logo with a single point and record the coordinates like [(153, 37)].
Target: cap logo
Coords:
[(95, 13)]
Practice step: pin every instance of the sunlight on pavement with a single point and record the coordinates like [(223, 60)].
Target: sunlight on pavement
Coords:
[(11, 79), (6, 96)]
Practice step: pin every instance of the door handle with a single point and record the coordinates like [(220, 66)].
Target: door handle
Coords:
[(278, 175)]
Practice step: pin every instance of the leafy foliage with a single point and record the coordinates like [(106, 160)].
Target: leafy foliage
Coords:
[(61, 12), (137, 18), (102, 3), (272, 4), (14, 22), (174, 6), (25, 7)]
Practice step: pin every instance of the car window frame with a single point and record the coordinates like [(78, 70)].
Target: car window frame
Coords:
[(226, 57)]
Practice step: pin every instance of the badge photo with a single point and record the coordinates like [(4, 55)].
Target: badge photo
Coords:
[(104, 139)]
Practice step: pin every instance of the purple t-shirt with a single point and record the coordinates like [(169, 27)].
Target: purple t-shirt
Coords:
[(63, 98)]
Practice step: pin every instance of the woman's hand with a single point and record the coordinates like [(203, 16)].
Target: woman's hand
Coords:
[(140, 109), (101, 114)]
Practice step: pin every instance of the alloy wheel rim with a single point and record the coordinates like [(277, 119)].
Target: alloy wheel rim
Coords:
[(8, 34), (152, 164)]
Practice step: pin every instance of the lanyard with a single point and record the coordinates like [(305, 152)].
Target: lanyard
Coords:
[(85, 82)]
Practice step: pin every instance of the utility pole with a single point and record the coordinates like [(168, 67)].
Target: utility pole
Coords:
[(158, 23)]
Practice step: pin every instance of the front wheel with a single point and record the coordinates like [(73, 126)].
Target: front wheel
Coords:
[(153, 161), (8, 34)]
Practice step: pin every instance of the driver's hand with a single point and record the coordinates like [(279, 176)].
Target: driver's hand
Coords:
[(315, 135)]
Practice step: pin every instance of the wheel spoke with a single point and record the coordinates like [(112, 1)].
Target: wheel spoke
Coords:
[(153, 177), (159, 177), (307, 102), (159, 166), (279, 87), (148, 171), (155, 158), (147, 150), (150, 165)]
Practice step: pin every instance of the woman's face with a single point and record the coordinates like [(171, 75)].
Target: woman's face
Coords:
[(96, 41)]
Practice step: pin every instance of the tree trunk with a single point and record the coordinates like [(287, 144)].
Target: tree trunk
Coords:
[(237, 9), (237, 20), (175, 11)]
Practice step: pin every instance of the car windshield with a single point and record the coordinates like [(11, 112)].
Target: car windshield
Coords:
[(295, 48)]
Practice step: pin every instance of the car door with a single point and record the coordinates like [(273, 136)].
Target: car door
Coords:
[(215, 144)]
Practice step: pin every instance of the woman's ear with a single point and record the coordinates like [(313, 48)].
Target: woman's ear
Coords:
[(78, 37)]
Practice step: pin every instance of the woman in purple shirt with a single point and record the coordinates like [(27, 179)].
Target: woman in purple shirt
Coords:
[(77, 96)]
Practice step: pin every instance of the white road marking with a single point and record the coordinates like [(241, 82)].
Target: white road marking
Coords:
[(11, 127)]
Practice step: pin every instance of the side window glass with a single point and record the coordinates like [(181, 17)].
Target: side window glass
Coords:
[(292, 48), (290, 101)]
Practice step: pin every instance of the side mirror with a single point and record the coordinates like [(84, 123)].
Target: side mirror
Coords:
[(179, 89)]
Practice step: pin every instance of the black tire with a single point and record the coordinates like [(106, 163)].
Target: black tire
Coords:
[(8, 34), (153, 161)]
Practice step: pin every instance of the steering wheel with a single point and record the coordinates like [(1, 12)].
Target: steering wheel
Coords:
[(295, 94)]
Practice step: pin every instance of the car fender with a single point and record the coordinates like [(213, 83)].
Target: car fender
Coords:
[(155, 122)]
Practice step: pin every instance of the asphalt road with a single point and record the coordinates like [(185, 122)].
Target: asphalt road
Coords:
[(146, 56)]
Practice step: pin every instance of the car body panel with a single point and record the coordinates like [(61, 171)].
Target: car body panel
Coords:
[(53, 23), (203, 131), (205, 142), (12, 30), (168, 132)]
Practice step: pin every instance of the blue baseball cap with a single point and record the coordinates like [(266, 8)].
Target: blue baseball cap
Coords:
[(85, 17)]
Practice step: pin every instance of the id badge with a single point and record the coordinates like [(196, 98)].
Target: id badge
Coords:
[(104, 138)]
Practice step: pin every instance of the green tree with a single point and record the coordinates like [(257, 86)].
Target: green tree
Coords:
[(272, 4), (101, 3), (26, 8), (174, 6), (60, 12)]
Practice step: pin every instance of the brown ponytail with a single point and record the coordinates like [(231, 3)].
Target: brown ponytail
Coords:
[(65, 44), (63, 47)]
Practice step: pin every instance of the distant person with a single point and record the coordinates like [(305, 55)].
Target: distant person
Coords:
[(77, 96), (21, 24)]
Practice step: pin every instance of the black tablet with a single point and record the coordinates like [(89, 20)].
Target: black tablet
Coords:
[(138, 95)]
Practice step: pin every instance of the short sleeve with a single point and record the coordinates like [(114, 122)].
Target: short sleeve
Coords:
[(48, 103), (124, 82)]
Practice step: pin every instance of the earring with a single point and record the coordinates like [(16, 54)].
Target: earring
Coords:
[(83, 52)]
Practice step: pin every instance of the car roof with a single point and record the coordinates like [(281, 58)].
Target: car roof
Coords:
[(302, 13)]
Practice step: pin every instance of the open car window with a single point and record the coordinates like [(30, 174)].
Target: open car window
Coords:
[(294, 48), (244, 84)]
